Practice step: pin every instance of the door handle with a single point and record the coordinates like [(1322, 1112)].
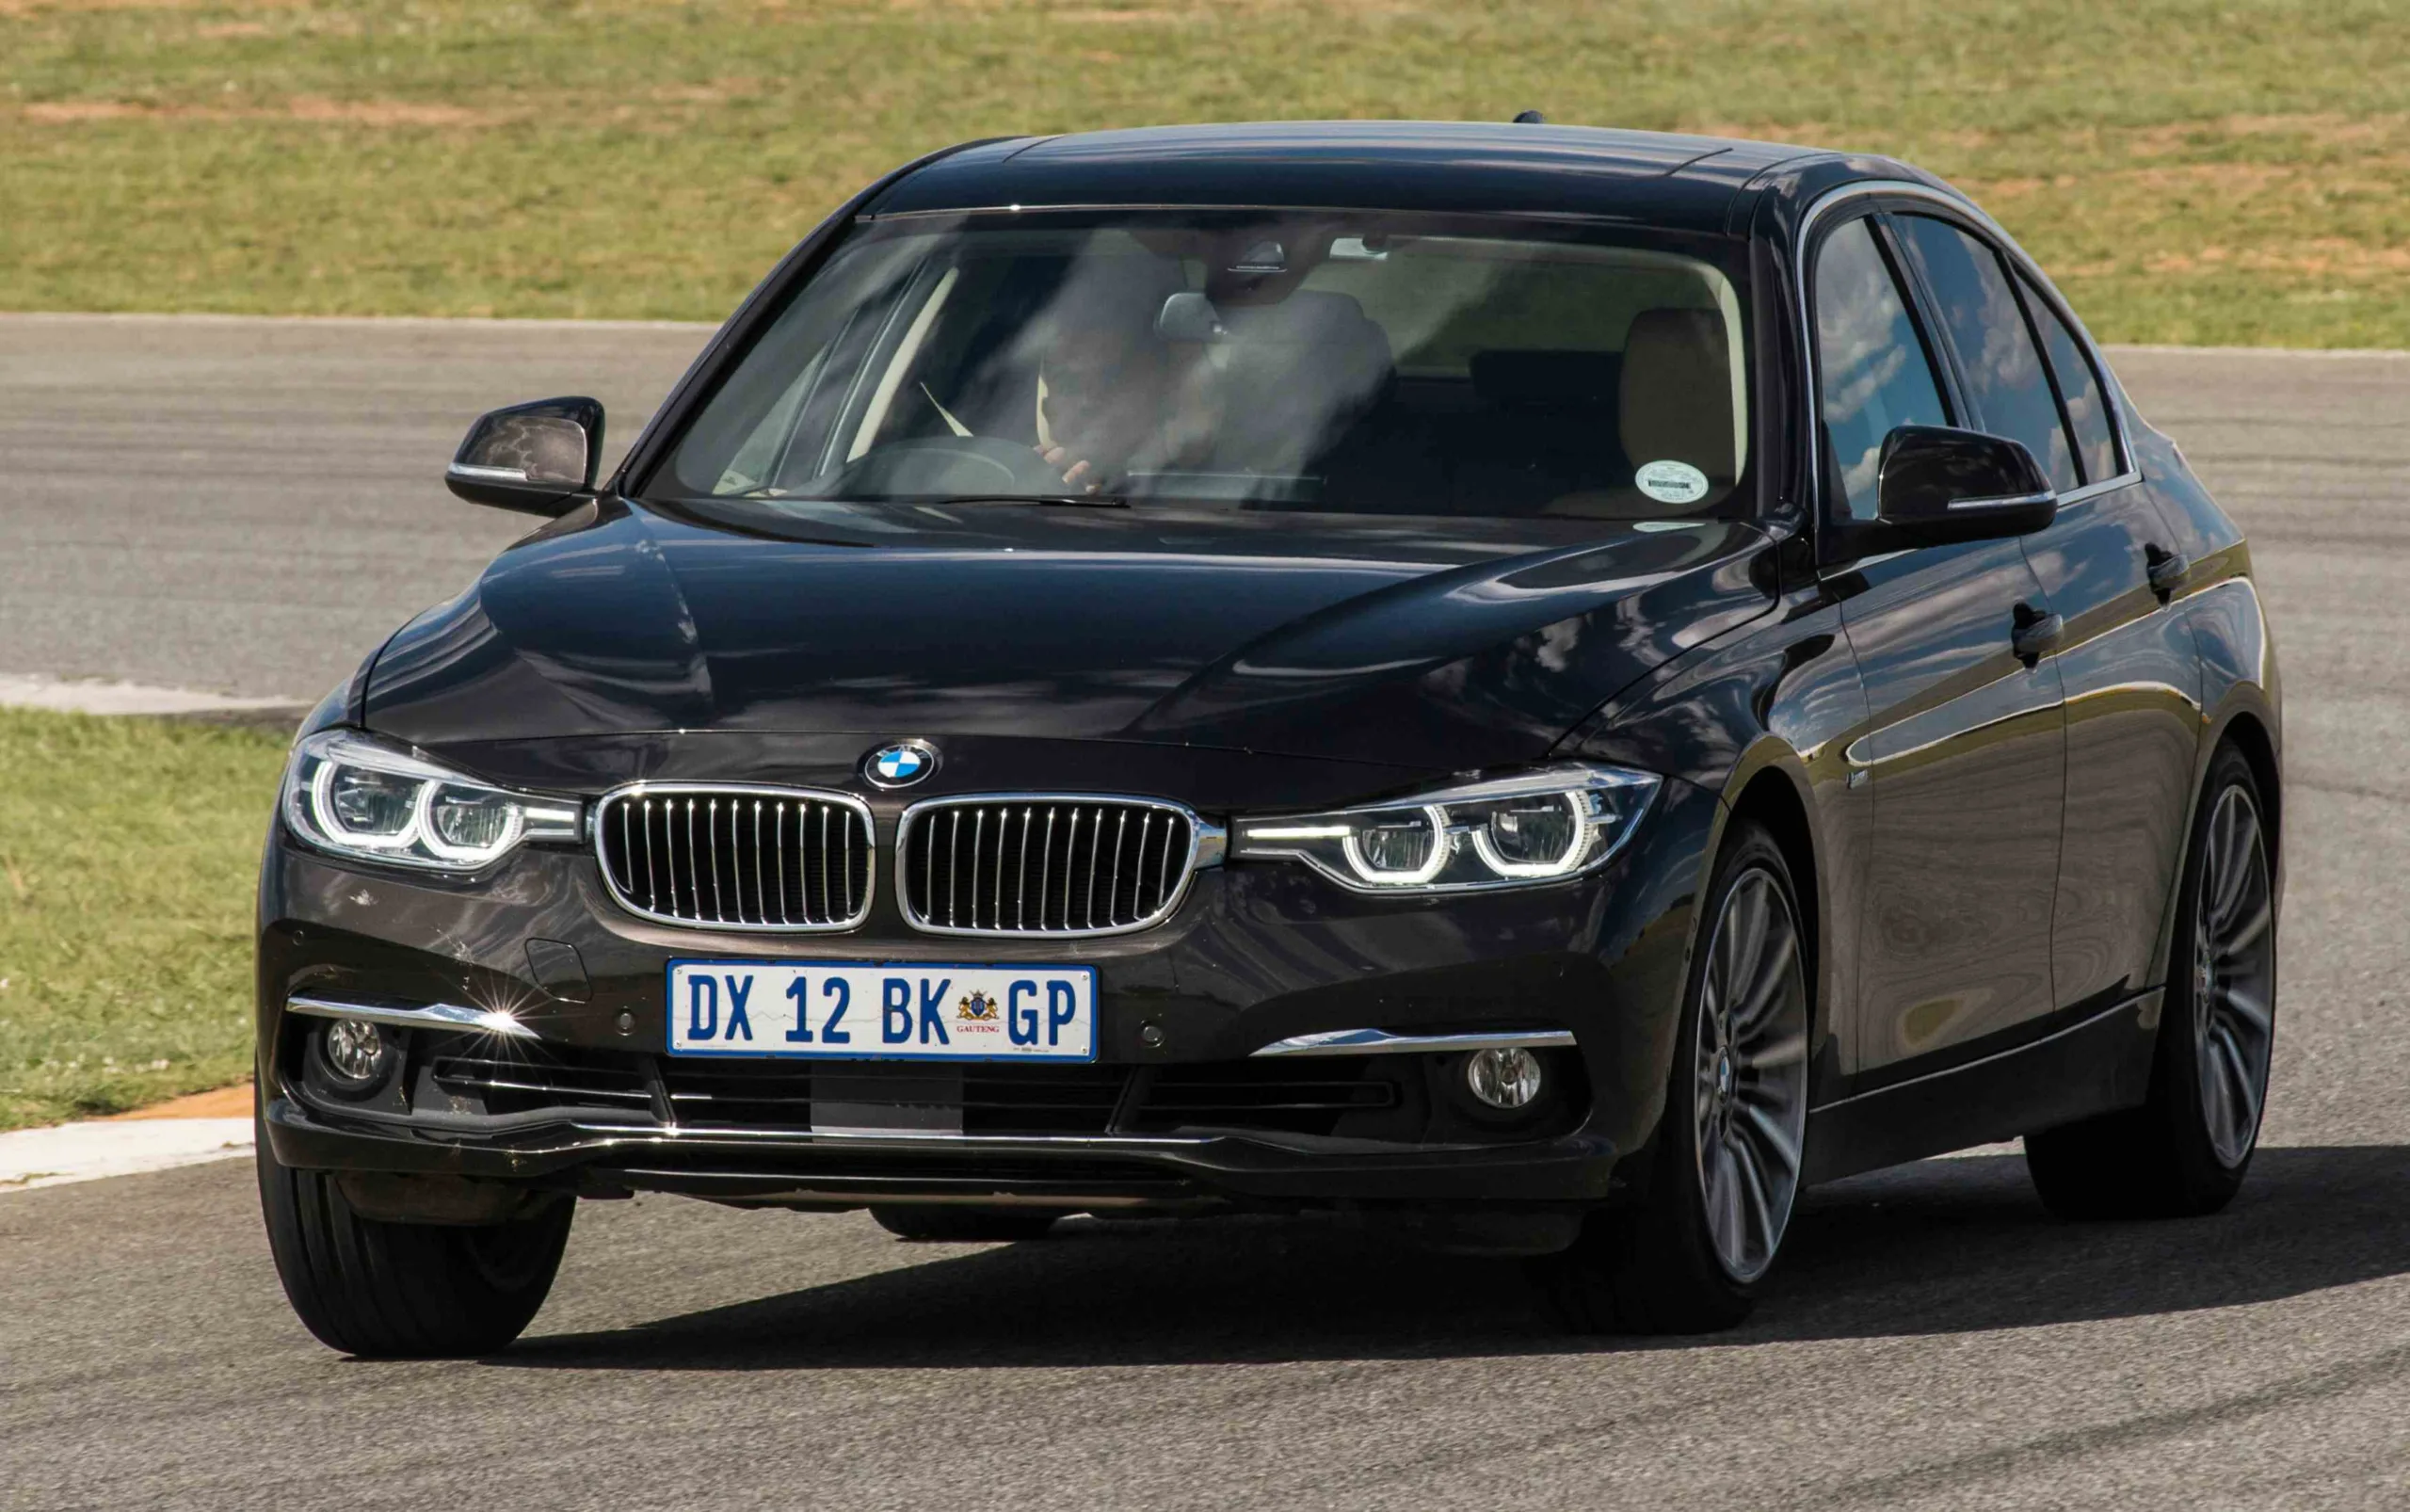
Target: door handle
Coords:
[(2168, 571), (2037, 631)]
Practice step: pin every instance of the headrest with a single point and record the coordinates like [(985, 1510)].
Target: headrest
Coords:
[(1306, 318), (1293, 377), (1677, 391)]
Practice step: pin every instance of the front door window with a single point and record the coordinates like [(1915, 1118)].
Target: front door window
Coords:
[(1872, 368)]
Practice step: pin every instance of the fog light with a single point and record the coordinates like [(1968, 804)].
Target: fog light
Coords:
[(356, 1049), (1505, 1079)]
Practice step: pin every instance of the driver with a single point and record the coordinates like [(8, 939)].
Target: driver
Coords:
[(1113, 398)]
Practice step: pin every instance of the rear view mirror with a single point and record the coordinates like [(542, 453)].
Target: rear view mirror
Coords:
[(538, 458), (1188, 316), (1939, 485)]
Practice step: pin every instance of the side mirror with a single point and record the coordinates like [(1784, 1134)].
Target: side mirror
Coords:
[(1939, 486), (538, 459)]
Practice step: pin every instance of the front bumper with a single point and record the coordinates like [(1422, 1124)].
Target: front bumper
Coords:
[(1260, 952)]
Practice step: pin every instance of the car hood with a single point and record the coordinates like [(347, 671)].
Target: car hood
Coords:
[(1434, 644)]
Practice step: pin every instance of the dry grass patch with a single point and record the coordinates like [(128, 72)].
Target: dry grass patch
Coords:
[(301, 108), (651, 158)]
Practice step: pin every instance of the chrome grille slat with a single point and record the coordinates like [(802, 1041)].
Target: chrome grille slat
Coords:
[(1040, 865), (684, 853), (711, 832), (1020, 877)]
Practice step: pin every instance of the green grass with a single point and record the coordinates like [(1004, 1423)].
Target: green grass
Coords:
[(2193, 171), (127, 853)]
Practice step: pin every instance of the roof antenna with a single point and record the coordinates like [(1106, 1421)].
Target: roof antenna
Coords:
[(1530, 118)]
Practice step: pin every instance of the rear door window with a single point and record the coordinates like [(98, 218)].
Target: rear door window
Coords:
[(2095, 439), (1872, 373), (2000, 367)]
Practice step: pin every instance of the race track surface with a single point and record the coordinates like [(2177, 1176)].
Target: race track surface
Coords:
[(245, 506)]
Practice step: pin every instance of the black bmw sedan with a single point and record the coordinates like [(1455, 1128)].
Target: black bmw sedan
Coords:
[(1546, 686)]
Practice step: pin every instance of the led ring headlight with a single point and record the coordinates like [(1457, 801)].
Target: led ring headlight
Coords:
[(1512, 831), (354, 796)]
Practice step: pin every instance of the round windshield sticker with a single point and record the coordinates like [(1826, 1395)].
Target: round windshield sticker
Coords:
[(1672, 482)]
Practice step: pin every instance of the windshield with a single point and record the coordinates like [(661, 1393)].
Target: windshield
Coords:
[(1387, 365)]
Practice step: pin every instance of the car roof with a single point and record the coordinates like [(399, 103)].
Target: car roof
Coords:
[(1656, 177)]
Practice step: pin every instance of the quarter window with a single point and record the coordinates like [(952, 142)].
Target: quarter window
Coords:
[(2006, 384), (1873, 372), (2095, 439)]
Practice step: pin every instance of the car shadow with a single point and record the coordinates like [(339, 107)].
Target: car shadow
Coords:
[(1939, 1248)]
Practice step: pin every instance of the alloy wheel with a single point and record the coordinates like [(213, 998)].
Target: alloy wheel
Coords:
[(2234, 973), (1750, 1099)]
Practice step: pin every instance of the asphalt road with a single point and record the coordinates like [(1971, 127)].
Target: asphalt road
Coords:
[(1936, 1339), (250, 507)]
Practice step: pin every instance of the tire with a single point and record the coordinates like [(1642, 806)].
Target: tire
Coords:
[(1719, 1176), (2184, 1152), (949, 1225), (391, 1291)]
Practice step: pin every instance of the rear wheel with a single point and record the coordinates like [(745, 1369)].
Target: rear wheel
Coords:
[(964, 1225), (405, 1290), (1722, 1168), (2185, 1151)]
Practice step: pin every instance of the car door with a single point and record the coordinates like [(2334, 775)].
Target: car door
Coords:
[(1963, 751), (2125, 660)]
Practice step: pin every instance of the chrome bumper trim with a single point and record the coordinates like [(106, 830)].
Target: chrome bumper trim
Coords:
[(1381, 1042), (428, 1015)]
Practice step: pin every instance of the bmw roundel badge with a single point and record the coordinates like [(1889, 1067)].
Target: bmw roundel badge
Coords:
[(901, 764)]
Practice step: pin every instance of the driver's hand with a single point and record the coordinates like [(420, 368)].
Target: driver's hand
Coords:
[(1073, 471)]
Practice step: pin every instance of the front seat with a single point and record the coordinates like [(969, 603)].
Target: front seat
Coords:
[(1297, 378)]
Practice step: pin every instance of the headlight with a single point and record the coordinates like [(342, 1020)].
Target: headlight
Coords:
[(349, 793), (1514, 831)]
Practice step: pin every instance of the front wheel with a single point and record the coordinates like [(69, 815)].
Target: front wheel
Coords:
[(1723, 1169), (386, 1290), (2184, 1152)]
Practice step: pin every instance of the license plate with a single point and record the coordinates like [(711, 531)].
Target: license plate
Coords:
[(844, 1010)]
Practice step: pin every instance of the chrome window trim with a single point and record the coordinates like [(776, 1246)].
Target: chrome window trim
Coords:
[(1842, 195), (426, 1016), (1207, 844), (648, 789), (1381, 1042)]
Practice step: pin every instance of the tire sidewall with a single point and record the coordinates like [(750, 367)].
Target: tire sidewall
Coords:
[(1677, 1166), (2176, 1071)]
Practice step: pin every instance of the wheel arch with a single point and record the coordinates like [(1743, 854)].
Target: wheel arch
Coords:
[(1771, 787), (2250, 735), (1773, 800), (2247, 723)]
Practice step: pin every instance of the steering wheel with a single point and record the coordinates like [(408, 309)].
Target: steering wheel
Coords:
[(947, 464)]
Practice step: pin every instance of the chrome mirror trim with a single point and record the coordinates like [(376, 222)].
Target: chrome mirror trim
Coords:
[(486, 474), (2014, 501)]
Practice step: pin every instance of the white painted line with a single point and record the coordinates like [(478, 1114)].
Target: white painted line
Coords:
[(88, 1150), (35, 691)]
